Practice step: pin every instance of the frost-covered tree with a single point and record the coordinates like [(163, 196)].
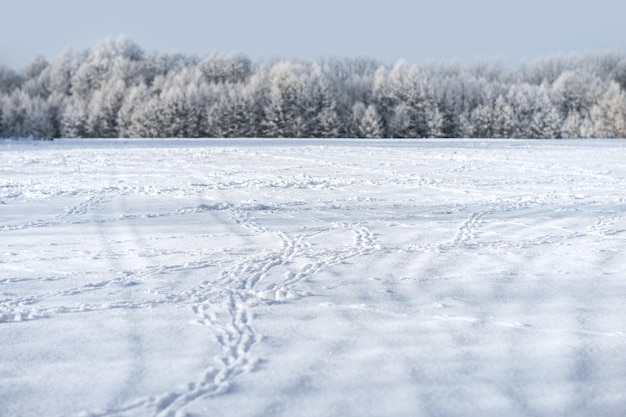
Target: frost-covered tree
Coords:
[(434, 120), (9, 80), (618, 73), (179, 108), (97, 67), (74, 117), (503, 119), (232, 112), (61, 72), (481, 119), (577, 125), (103, 109), (524, 101), (609, 113), (36, 78), (577, 91), (368, 123), (132, 103), (220, 69), (25, 116), (323, 108), (383, 99), (450, 114), (145, 120), (288, 108), (546, 120), (409, 92)]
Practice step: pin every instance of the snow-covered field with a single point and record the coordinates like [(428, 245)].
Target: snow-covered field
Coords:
[(313, 278)]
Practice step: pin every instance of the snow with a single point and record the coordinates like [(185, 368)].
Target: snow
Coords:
[(312, 278)]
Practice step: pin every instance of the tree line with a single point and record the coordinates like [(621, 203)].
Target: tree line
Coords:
[(119, 90)]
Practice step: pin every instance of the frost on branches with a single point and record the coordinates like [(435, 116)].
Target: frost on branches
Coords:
[(119, 90)]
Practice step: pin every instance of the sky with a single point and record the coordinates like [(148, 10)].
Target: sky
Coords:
[(416, 31)]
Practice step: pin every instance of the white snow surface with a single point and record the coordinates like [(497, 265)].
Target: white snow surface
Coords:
[(313, 278)]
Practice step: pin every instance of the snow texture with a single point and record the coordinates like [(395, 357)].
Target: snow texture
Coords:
[(312, 278)]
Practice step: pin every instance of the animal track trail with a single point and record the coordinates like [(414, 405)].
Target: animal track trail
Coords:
[(28, 308), (250, 271), (231, 321), (605, 226), (84, 206), (364, 244), (467, 233), (240, 216), (225, 306), (31, 308), (20, 310), (227, 313), (76, 210), (292, 248), (28, 225), (365, 240), (469, 230)]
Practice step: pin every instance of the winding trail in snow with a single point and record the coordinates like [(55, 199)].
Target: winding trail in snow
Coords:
[(252, 276)]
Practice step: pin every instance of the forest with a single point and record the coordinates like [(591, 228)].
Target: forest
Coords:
[(120, 90)]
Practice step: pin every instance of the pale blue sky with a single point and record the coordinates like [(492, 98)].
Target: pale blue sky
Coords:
[(389, 30)]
